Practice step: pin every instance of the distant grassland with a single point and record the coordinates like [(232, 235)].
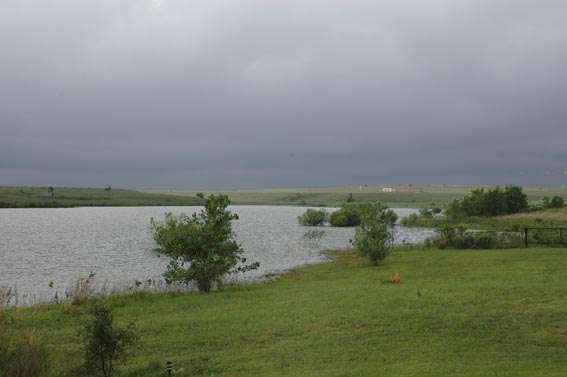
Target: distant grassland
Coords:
[(18, 197), (402, 196)]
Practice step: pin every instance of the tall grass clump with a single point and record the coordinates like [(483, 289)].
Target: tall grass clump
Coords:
[(459, 238), (82, 291), (27, 357)]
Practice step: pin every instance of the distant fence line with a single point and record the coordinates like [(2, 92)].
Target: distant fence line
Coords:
[(545, 236)]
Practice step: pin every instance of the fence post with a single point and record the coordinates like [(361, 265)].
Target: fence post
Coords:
[(526, 237)]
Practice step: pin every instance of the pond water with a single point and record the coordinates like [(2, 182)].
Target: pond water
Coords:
[(46, 251)]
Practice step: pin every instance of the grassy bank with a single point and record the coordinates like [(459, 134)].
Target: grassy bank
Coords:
[(553, 218), (478, 313), (402, 196), (18, 197)]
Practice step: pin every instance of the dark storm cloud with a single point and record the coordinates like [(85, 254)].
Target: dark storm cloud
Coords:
[(198, 94)]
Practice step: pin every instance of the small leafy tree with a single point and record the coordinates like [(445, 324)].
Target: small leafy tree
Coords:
[(201, 246), (374, 234), (105, 344), (313, 217), (493, 202), (200, 195), (516, 199)]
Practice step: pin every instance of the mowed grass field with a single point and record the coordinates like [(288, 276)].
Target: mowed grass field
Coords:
[(12, 196), (403, 195), (455, 313)]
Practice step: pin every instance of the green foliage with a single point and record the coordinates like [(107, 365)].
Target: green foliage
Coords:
[(374, 235), (200, 195), (549, 237), (426, 214), (348, 215), (313, 217), (26, 357), (493, 202), (411, 220), (201, 246), (105, 344), (555, 202), (459, 238), (314, 235)]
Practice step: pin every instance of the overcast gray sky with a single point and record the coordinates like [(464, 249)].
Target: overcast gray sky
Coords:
[(282, 93)]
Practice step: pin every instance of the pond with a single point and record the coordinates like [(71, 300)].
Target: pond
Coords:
[(46, 251)]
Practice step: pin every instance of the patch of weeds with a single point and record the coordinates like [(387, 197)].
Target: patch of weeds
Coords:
[(203, 366), (82, 291)]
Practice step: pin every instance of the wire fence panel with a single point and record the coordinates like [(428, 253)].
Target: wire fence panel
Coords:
[(550, 237)]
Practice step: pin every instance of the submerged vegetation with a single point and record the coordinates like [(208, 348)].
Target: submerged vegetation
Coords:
[(313, 217)]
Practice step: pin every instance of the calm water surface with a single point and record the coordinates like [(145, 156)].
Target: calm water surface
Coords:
[(60, 246)]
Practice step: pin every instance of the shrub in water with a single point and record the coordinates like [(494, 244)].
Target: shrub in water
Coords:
[(346, 216), (313, 217)]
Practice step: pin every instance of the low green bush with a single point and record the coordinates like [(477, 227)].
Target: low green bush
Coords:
[(313, 217), (105, 344), (460, 238), (345, 216)]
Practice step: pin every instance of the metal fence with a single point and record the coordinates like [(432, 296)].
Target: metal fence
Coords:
[(545, 237)]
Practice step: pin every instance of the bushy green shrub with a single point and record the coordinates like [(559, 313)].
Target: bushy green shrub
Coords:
[(105, 344), (374, 235), (346, 216), (202, 247), (493, 202), (313, 217), (410, 220), (555, 202)]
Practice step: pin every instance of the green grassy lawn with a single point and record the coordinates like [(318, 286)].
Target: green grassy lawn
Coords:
[(403, 196), (14, 197), (480, 313)]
